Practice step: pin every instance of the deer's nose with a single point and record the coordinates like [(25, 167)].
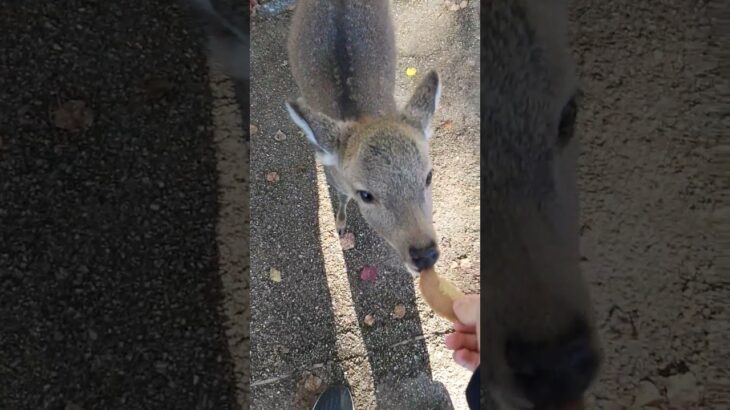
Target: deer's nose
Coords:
[(424, 258), (554, 373)]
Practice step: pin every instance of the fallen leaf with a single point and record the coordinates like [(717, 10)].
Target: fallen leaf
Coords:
[(279, 136), (272, 177), (73, 115), (252, 129), (399, 311), (275, 275), (347, 241), (445, 125), (312, 383), (369, 320), (157, 88), (368, 273), (411, 71)]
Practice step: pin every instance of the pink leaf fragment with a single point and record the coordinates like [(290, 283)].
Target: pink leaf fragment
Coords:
[(369, 273)]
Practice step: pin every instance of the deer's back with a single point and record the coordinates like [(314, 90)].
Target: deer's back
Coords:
[(342, 56)]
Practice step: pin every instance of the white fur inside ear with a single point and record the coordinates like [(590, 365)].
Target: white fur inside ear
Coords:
[(324, 157), (299, 121), (428, 132), (327, 159)]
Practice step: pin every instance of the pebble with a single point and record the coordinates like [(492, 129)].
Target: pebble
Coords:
[(647, 394), (682, 390)]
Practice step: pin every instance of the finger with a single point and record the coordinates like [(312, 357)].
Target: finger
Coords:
[(467, 358), (460, 327), (457, 341), (466, 310)]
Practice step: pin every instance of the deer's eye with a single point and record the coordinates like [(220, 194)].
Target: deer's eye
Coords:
[(366, 196), (428, 178)]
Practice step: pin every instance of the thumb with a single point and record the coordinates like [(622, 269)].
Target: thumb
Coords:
[(466, 310)]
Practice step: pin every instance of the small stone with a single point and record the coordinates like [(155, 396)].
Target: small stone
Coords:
[(155, 207), (369, 320), (279, 136), (252, 129), (647, 394), (399, 312), (463, 4), (465, 263), (455, 7), (93, 335), (72, 406), (682, 390), (196, 379)]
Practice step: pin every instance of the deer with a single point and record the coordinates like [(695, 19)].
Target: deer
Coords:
[(343, 59), (541, 347)]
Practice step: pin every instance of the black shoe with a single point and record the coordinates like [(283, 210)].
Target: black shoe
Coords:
[(335, 398)]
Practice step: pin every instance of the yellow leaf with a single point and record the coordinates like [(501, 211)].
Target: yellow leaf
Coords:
[(411, 71), (275, 275)]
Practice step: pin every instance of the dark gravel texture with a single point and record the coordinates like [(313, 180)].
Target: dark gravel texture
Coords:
[(108, 275)]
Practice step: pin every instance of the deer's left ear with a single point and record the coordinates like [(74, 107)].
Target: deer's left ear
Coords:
[(423, 103)]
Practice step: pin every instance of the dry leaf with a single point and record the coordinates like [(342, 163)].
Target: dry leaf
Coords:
[(347, 241), (369, 320), (312, 383), (445, 125), (368, 273), (399, 311), (272, 177), (73, 115), (252, 129), (275, 275), (279, 136)]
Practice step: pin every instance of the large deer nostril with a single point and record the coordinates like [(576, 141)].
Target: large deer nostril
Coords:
[(554, 373), (424, 258)]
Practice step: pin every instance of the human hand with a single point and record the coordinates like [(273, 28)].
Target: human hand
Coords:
[(465, 340)]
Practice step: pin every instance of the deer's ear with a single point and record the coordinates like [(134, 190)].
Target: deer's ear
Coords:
[(423, 103), (322, 131)]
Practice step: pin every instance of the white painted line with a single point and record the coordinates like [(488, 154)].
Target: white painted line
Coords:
[(232, 228), (349, 338)]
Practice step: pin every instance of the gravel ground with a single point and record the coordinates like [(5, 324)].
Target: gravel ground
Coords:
[(649, 194), (108, 260)]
